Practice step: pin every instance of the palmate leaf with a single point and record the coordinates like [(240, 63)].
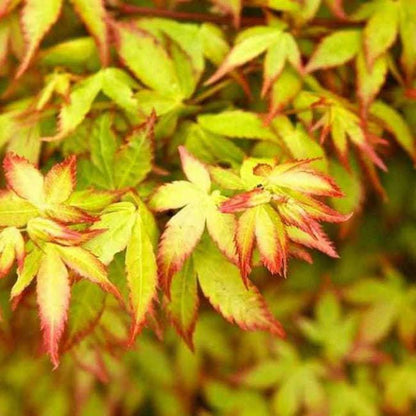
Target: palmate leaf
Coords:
[(38, 18), (344, 126), (113, 82), (280, 209), (298, 382), (141, 52), (32, 193), (330, 329), (126, 166), (390, 304), (184, 230)]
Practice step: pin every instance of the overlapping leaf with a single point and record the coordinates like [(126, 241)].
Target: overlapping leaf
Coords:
[(279, 207)]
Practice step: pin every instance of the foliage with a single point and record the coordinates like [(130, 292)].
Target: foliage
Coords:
[(162, 157)]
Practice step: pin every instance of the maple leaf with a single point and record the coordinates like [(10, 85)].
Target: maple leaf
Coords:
[(280, 47), (390, 303), (198, 207), (38, 17), (31, 192), (128, 226), (343, 125), (280, 207), (330, 329), (297, 382)]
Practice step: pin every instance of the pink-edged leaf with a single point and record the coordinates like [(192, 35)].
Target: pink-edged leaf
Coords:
[(15, 211), (37, 18), (245, 240), (246, 200), (141, 272), (93, 14), (67, 214), (174, 195), (222, 228), (303, 179), (87, 265), (195, 170), (53, 293), (318, 240), (23, 178), (44, 229), (92, 200), (181, 235), (60, 181), (304, 212), (221, 283), (300, 253), (271, 239), (183, 305)]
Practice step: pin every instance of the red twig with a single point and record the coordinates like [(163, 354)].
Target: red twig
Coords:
[(196, 17)]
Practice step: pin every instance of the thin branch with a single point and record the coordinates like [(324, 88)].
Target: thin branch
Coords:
[(221, 20), (196, 17)]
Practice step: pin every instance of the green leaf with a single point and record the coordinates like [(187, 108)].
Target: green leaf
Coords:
[(141, 272), (211, 147), (249, 44), (370, 81), (93, 14), (284, 90), (300, 144), (117, 220), (396, 124), (87, 305), (221, 283), (214, 43), (407, 28), (237, 123), (133, 161), (74, 53), (142, 53), (183, 304), (381, 30), (26, 275), (15, 211), (79, 104), (335, 49), (103, 144), (118, 86)]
